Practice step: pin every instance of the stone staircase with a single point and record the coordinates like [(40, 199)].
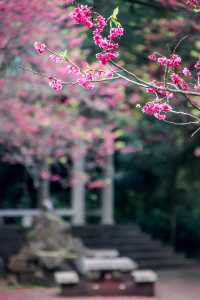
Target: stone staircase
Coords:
[(130, 241), (11, 240), (127, 239)]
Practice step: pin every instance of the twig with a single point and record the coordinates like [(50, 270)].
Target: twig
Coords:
[(195, 131), (181, 124), (185, 114), (145, 84)]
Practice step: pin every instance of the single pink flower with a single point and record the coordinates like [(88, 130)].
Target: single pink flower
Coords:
[(39, 47), (186, 72), (153, 57), (197, 65), (55, 84)]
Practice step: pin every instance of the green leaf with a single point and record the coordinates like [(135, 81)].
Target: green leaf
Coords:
[(113, 18), (120, 145), (50, 160), (115, 12), (63, 160), (64, 54), (119, 133)]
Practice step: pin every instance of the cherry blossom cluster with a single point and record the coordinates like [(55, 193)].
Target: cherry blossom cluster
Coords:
[(178, 81), (83, 15), (83, 78), (85, 81), (156, 109), (193, 4), (159, 88), (173, 61)]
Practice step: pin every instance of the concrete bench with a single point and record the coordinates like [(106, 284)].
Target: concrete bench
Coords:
[(100, 264), (103, 253), (66, 278), (68, 281), (145, 281)]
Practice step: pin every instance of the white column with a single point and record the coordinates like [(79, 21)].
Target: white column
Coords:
[(108, 194), (78, 189)]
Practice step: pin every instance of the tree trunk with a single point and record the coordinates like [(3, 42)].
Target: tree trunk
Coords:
[(43, 188), (43, 192)]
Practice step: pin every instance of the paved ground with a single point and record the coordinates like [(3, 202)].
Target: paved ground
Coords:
[(51, 294), (183, 284)]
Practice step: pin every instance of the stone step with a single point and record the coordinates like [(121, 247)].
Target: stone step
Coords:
[(175, 258), (151, 255), (110, 235), (131, 242), (127, 239), (119, 245), (159, 264)]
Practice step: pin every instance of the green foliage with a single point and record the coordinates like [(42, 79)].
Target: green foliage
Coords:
[(113, 19)]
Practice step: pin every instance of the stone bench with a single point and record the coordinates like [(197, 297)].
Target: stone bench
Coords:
[(68, 282), (66, 278), (145, 281), (103, 253), (104, 264)]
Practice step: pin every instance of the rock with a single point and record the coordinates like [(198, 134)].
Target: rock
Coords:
[(51, 259), (49, 244), (18, 264)]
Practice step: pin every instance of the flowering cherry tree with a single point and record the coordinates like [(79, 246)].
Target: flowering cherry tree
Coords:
[(39, 136)]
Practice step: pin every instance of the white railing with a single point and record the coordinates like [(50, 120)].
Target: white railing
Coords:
[(32, 212), (28, 214)]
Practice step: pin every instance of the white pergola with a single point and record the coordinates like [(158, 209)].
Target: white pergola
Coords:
[(107, 197), (77, 213)]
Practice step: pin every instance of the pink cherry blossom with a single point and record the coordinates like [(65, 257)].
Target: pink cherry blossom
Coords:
[(55, 58), (116, 32), (165, 107), (39, 47), (109, 74), (197, 65), (104, 57), (100, 23), (197, 88), (82, 15), (174, 61), (55, 84), (193, 4), (175, 78), (157, 109), (186, 72), (153, 57), (45, 175), (162, 61), (184, 85), (160, 117), (85, 82)]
